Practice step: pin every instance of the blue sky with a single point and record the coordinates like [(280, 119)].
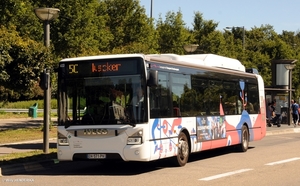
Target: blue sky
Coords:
[(282, 15)]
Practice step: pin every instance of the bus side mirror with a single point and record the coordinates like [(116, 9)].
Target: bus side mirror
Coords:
[(152, 78)]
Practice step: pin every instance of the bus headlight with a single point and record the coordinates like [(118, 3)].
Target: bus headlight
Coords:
[(136, 138), (62, 140), (134, 141)]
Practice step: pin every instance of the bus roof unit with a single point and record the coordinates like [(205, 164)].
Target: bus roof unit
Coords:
[(204, 59), (176, 57), (219, 61)]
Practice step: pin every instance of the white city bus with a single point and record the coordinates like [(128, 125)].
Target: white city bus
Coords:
[(190, 103)]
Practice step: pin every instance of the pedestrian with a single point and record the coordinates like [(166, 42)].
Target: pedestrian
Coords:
[(295, 113), (275, 114)]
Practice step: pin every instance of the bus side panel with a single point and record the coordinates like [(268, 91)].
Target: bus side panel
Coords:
[(164, 133), (219, 143), (257, 133), (262, 116), (232, 138), (232, 126), (254, 124), (199, 146)]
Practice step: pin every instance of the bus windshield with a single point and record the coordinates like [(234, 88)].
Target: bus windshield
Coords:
[(105, 100), (102, 100)]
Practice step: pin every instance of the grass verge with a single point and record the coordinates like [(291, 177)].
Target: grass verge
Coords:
[(25, 134), (12, 115), (12, 136)]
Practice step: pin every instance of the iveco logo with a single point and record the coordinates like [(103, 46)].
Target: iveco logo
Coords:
[(95, 131)]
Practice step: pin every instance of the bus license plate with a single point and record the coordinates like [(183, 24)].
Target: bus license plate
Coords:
[(96, 156)]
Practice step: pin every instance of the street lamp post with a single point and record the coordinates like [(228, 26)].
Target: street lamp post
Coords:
[(151, 8), (289, 67), (241, 27), (46, 15)]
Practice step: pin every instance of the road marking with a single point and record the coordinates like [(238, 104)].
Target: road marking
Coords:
[(225, 174), (283, 161), (284, 137)]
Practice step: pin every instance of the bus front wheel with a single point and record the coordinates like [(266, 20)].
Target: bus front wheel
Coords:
[(183, 150)]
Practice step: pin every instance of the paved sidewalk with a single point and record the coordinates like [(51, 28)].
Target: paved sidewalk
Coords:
[(274, 130)]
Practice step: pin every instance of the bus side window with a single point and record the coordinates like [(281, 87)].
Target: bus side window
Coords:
[(176, 110)]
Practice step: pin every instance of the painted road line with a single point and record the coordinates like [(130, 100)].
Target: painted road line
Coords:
[(224, 175), (283, 161)]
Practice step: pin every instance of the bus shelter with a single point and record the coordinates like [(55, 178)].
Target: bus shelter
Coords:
[(281, 88), (282, 101)]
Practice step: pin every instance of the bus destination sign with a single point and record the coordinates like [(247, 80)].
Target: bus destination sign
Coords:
[(105, 67), (102, 68)]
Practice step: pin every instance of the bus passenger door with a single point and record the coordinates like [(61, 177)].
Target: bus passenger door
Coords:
[(160, 98)]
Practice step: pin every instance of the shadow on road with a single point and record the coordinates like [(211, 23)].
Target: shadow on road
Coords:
[(80, 168)]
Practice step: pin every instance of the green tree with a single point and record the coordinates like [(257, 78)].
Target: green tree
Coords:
[(20, 14), (214, 43), (172, 33), (80, 29), (204, 30), (129, 26), (21, 62)]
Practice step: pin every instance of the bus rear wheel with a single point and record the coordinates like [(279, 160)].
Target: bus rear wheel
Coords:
[(243, 147), (183, 153)]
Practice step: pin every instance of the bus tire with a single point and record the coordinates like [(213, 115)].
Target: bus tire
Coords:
[(243, 147), (183, 152)]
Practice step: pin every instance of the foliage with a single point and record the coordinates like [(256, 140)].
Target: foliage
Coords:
[(21, 62), (129, 26), (172, 34), (203, 31), (80, 29), (96, 27), (20, 14)]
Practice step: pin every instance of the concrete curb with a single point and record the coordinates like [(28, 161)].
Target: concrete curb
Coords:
[(27, 167), (283, 131)]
